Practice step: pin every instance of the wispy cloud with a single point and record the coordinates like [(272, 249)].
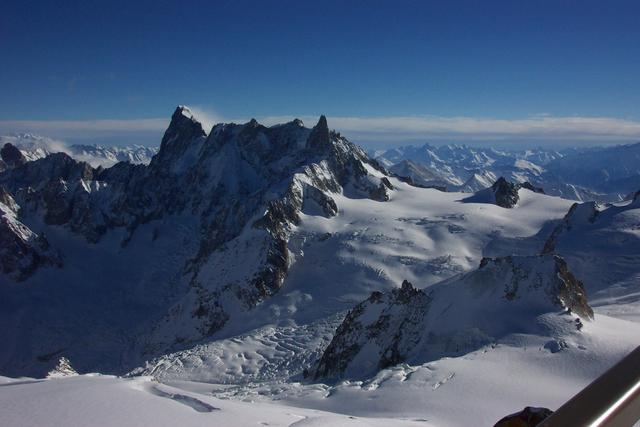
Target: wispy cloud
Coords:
[(539, 128), (106, 132), (206, 116), (135, 125)]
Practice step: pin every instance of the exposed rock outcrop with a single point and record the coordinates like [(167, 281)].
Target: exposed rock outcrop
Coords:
[(503, 296), (528, 417), (62, 369), (390, 321), (502, 193), (21, 250), (506, 193), (11, 156)]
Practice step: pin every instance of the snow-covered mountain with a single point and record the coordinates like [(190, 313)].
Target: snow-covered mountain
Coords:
[(458, 163), (595, 173), (229, 200), (35, 147), (98, 155), (503, 296), (221, 273), (420, 174)]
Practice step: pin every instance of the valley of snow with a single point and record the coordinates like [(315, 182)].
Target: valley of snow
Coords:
[(255, 375)]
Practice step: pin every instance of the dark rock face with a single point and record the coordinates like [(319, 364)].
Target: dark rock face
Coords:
[(11, 156), (381, 193), (21, 250), (178, 137), (506, 193), (326, 203), (320, 135), (570, 291), (528, 417), (59, 186)]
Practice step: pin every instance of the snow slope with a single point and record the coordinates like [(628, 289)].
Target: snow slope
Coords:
[(105, 401), (527, 367), (339, 261), (475, 389)]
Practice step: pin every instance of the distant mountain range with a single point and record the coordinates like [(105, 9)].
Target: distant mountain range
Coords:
[(605, 174), (35, 147), (595, 173)]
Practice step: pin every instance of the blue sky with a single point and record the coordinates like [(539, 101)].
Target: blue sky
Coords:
[(539, 71)]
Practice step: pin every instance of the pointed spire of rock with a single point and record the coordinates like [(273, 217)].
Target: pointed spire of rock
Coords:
[(182, 130), (322, 123), (319, 135), (183, 117)]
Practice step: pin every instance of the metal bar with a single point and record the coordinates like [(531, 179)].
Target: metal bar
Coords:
[(612, 400)]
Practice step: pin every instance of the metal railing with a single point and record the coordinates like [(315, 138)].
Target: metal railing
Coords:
[(612, 400)]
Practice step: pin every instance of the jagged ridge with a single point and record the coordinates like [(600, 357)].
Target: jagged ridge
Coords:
[(245, 186)]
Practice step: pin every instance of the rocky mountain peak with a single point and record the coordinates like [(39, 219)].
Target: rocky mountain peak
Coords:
[(183, 130), (319, 137), (12, 156), (507, 193)]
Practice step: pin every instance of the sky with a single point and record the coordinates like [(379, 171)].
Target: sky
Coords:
[(384, 72)]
